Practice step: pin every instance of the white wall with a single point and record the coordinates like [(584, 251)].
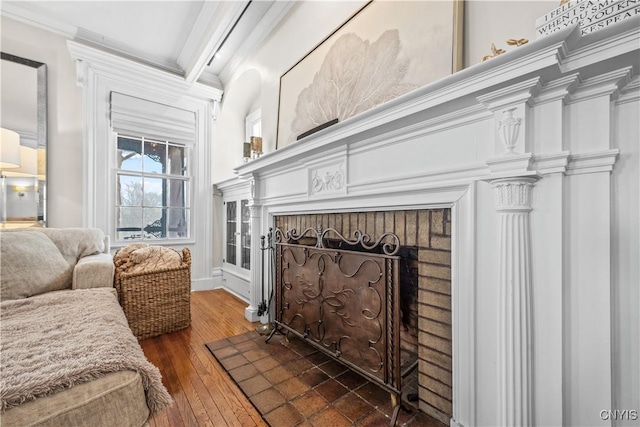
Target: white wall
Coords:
[(65, 117)]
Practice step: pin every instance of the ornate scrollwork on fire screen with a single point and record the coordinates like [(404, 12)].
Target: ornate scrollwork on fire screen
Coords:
[(390, 247), (341, 301)]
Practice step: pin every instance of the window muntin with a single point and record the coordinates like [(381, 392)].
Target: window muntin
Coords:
[(152, 189)]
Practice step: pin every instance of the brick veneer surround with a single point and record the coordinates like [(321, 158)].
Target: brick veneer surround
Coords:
[(429, 332)]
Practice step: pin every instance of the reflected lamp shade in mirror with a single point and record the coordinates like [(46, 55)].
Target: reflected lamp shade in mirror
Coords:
[(9, 149), (28, 164)]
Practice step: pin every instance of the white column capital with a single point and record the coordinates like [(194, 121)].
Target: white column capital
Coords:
[(513, 194)]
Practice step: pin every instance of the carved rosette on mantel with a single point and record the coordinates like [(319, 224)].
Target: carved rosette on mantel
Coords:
[(513, 204)]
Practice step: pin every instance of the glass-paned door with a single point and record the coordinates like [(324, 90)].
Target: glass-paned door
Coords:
[(245, 234), (231, 232)]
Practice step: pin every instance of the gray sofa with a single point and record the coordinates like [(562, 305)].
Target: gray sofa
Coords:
[(68, 355)]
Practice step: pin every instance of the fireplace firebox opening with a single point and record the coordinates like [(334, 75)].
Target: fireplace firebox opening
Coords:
[(425, 292)]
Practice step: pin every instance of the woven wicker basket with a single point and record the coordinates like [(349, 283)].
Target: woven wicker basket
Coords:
[(156, 302)]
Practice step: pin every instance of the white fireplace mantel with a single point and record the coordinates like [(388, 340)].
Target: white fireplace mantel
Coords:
[(546, 113), (453, 100)]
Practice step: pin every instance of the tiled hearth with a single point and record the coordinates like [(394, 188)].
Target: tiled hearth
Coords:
[(293, 384), (426, 318)]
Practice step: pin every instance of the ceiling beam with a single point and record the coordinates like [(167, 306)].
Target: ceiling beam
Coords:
[(262, 29), (214, 23)]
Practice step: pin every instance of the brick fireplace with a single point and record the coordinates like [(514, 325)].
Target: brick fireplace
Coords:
[(425, 239)]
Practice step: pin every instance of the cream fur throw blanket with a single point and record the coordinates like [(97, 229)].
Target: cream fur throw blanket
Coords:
[(58, 339)]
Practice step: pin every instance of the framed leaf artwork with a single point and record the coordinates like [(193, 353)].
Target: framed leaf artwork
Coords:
[(388, 48)]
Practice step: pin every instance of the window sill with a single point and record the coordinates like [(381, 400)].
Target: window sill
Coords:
[(159, 242)]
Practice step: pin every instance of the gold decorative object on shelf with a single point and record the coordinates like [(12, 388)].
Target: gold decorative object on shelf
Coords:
[(495, 52), (246, 151), (256, 146), (518, 42)]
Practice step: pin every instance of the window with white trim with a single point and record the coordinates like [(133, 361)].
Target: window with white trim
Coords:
[(253, 124), (152, 174), (152, 189)]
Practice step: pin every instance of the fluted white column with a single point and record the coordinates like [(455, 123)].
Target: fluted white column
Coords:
[(255, 287), (513, 203)]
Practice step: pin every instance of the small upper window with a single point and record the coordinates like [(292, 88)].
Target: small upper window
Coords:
[(253, 124)]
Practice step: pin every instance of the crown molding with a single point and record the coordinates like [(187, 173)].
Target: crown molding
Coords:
[(23, 12), (88, 57)]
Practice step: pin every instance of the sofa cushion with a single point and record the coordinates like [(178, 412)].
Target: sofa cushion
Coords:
[(89, 404), (60, 339), (30, 264), (75, 243)]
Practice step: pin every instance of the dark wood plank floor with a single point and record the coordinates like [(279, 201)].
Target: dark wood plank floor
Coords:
[(203, 393)]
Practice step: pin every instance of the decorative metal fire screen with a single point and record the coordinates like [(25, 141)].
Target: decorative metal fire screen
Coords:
[(341, 296)]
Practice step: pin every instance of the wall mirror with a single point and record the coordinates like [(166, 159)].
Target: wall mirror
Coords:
[(23, 151)]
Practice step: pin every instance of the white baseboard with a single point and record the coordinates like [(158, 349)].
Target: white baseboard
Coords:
[(232, 292), (251, 314), (235, 284), (206, 283)]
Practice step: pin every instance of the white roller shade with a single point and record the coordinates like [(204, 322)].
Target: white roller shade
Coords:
[(139, 117)]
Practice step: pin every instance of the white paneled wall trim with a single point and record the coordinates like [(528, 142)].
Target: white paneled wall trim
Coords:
[(532, 276), (100, 74)]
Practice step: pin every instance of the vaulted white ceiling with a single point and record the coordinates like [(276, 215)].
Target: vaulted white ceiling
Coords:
[(200, 40)]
